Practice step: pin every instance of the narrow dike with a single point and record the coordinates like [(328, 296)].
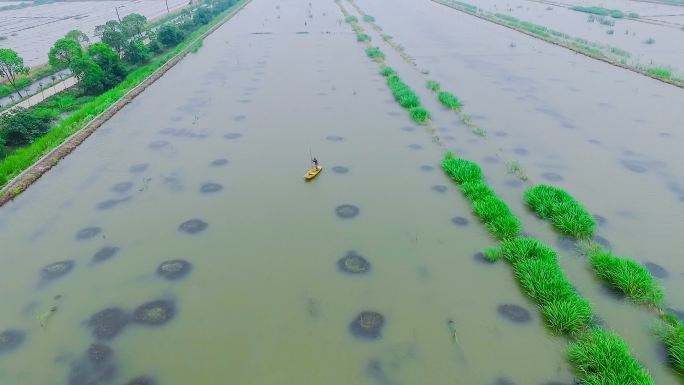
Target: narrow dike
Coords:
[(597, 355), (27, 165)]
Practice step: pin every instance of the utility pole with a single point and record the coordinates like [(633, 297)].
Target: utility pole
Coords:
[(167, 6), (117, 13)]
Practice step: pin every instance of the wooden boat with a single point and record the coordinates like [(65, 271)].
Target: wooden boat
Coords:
[(312, 172)]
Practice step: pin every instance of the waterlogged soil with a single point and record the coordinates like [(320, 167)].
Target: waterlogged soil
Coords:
[(265, 289), (31, 31), (608, 136), (654, 39)]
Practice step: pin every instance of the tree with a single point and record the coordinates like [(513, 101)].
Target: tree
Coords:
[(90, 76), (109, 62), (112, 34), (134, 25), (11, 65), (136, 52), (20, 127), (202, 16), (77, 35), (154, 46), (64, 52), (170, 35)]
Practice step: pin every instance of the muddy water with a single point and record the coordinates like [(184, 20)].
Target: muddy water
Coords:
[(608, 136), (224, 138), (33, 30), (662, 23)]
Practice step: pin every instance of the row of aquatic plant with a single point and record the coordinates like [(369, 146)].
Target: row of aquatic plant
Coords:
[(403, 94), (600, 11), (607, 53), (569, 217), (24, 157), (598, 356)]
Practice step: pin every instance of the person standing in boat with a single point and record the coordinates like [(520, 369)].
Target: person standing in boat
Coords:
[(315, 162)]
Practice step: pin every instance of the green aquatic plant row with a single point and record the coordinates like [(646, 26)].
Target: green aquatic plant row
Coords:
[(491, 210), (450, 101), (368, 18), (351, 19), (671, 333), (433, 85), (626, 276), (375, 53), (566, 214), (362, 37), (601, 357)]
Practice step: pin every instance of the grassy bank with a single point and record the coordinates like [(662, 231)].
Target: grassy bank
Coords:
[(23, 158)]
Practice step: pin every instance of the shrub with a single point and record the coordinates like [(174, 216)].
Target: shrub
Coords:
[(601, 357), (202, 16), (627, 276), (20, 127), (170, 35), (565, 213), (659, 72), (136, 53)]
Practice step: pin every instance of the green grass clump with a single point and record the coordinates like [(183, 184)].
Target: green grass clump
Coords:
[(671, 333), (362, 37), (375, 53), (614, 13), (387, 71), (449, 100), (419, 114), (659, 72), (461, 170), (351, 19), (403, 94), (368, 18), (433, 85), (627, 276), (476, 190), (492, 254), (567, 316), (565, 213), (601, 357)]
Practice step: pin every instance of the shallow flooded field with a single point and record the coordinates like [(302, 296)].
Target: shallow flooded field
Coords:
[(31, 31), (653, 38), (180, 242)]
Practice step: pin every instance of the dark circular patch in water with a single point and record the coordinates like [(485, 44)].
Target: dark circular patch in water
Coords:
[(521, 151), (232, 135), (239, 118), (501, 133), (634, 166), (340, 170), (514, 313), (393, 113), (490, 159), (193, 226), (140, 167), (460, 221), (346, 211), (439, 188), (677, 313), (480, 257), (554, 383), (594, 141), (552, 177), (600, 220), (656, 270), (154, 313), (426, 167), (105, 253), (209, 187), (415, 146), (142, 380), (110, 203), (503, 381), (88, 233), (353, 263), (11, 339), (158, 144), (612, 292), (122, 187), (175, 269), (602, 241), (565, 243), (56, 270), (99, 354), (367, 325), (408, 128), (334, 138), (513, 183), (219, 162), (108, 323)]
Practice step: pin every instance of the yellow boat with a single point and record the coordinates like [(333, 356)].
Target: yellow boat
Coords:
[(312, 172)]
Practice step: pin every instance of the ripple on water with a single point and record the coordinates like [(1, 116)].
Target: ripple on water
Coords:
[(367, 325), (415, 146), (340, 170), (56, 270), (11, 339), (438, 188), (88, 233), (219, 162), (142, 380), (104, 254), (193, 226), (122, 187), (346, 211), (460, 221), (108, 323), (334, 138), (552, 177), (174, 269), (656, 270), (426, 167), (210, 187), (353, 263), (634, 166), (232, 135), (158, 144), (514, 313), (154, 313), (137, 168)]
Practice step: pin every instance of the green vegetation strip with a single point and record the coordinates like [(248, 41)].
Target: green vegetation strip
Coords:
[(569, 217), (608, 54), (92, 114), (598, 356)]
